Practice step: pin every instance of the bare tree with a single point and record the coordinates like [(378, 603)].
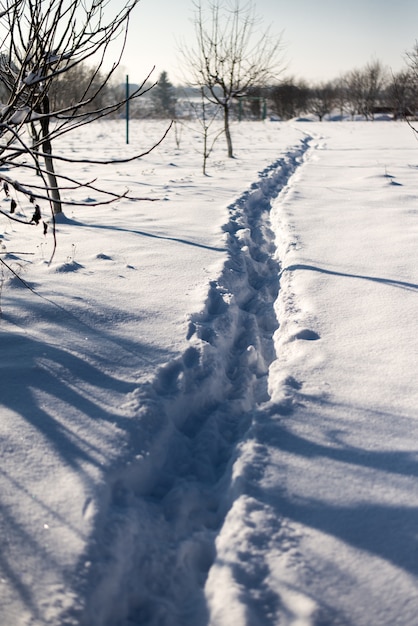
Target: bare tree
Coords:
[(76, 85), (42, 42), (230, 55), (364, 88), (206, 115), (375, 80), (353, 88), (321, 100), (289, 98), (342, 100), (412, 88), (402, 95)]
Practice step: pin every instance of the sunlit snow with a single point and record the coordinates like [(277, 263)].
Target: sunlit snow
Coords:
[(209, 398)]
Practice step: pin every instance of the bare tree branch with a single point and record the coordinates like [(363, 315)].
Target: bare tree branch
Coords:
[(230, 55), (41, 43)]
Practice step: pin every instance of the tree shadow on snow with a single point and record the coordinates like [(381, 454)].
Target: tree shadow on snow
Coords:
[(364, 496), (144, 233), (385, 281), (63, 388)]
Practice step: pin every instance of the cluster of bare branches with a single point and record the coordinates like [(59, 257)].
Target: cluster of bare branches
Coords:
[(231, 55), (41, 42), (406, 87)]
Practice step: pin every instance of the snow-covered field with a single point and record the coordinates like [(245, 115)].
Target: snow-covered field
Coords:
[(209, 402)]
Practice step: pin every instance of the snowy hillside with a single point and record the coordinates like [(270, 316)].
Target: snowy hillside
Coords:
[(209, 400)]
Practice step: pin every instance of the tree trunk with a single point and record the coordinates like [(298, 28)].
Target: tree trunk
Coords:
[(53, 189), (227, 131)]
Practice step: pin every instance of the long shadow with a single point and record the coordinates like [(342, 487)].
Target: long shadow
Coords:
[(144, 233), (383, 528), (403, 463), (60, 398), (64, 391), (385, 281)]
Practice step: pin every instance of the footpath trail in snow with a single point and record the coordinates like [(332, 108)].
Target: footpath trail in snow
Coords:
[(100, 396), (163, 521)]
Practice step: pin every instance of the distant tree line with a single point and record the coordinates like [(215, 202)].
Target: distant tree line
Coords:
[(366, 92)]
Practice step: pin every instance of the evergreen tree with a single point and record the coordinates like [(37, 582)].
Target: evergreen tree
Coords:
[(164, 98)]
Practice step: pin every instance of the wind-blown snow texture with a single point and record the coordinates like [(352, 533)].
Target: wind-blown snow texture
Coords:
[(209, 401)]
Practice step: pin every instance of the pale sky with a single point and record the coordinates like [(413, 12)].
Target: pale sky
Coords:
[(322, 38)]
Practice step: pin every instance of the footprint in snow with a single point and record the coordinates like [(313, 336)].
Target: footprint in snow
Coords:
[(306, 334), (104, 257)]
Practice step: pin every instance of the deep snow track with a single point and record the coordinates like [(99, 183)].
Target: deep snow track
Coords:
[(157, 532)]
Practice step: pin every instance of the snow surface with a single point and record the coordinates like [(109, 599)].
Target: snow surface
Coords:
[(209, 400)]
